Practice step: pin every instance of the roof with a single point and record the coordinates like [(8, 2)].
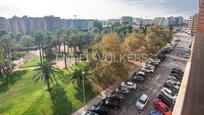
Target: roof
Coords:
[(143, 97)]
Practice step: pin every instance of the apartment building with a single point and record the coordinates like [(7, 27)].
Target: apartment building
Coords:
[(192, 23)]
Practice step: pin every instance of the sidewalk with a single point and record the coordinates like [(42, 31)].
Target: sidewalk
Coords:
[(102, 95)]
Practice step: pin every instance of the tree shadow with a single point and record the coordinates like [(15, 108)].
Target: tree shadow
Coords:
[(61, 105), (89, 92), (13, 77)]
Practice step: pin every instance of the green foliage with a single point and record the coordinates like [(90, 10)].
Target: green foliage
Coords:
[(48, 73), (31, 63), (22, 97)]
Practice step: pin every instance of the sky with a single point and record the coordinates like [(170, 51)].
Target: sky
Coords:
[(98, 9)]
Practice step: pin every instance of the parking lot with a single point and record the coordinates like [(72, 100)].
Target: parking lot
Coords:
[(153, 82)]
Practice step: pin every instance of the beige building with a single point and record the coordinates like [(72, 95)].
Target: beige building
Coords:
[(192, 22)]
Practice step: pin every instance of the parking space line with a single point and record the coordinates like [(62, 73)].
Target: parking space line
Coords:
[(157, 77)]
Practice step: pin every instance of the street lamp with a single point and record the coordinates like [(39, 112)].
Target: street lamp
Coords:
[(84, 98)]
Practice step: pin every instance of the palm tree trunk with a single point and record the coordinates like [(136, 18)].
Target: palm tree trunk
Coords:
[(48, 84), (59, 48), (65, 57), (40, 54)]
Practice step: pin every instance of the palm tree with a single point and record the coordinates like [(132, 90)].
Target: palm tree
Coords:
[(39, 41), (48, 73), (76, 73)]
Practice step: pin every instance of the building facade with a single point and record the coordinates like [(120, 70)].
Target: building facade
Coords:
[(29, 25), (126, 20), (192, 23)]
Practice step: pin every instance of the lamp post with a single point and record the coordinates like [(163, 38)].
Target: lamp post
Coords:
[(84, 98)]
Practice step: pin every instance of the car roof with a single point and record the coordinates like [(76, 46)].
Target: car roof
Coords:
[(143, 97), (161, 104), (167, 90)]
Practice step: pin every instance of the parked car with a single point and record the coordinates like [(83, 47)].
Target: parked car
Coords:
[(168, 93), (142, 101), (153, 62), (175, 82), (161, 57), (122, 89), (155, 112), (148, 70), (89, 113), (142, 73), (176, 72), (163, 108), (129, 85), (148, 66), (111, 103), (116, 95), (168, 101), (138, 78), (174, 79), (99, 108), (171, 85)]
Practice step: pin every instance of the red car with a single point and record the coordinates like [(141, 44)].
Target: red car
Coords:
[(162, 107)]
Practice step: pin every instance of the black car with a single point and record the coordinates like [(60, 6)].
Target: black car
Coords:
[(161, 57), (111, 103), (137, 78), (100, 108), (178, 76), (116, 96), (166, 100), (178, 71)]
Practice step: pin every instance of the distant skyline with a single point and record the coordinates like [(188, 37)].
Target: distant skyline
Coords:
[(98, 9)]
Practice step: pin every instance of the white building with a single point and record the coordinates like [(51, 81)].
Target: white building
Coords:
[(161, 21)]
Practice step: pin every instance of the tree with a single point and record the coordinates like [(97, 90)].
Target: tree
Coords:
[(48, 73), (6, 67), (58, 38), (76, 73), (39, 41), (27, 41), (108, 67), (98, 25), (1, 57)]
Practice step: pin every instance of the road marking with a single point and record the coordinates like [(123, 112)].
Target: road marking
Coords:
[(157, 77)]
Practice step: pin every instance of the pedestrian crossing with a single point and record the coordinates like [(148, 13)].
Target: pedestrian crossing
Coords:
[(176, 57)]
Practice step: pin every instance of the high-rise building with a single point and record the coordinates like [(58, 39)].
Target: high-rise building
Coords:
[(126, 20), (4, 24), (161, 21), (51, 23), (192, 23), (36, 24)]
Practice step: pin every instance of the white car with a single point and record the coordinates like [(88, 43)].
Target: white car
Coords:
[(141, 73), (168, 93), (122, 89), (142, 101), (148, 66), (173, 79), (148, 70), (129, 85)]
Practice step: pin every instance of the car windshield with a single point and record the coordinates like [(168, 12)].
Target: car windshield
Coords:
[(142, 101)]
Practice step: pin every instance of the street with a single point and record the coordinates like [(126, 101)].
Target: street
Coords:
[(154, 82)]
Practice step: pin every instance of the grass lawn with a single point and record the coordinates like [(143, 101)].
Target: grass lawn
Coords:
[(31, 63), (22, 97)]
